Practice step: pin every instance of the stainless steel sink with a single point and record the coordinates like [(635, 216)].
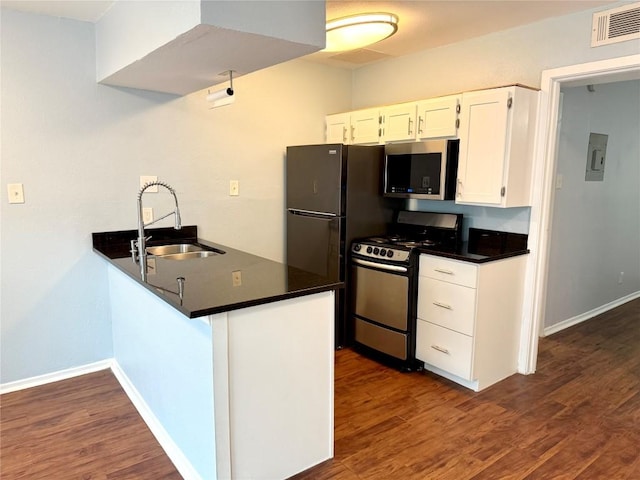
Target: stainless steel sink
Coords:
[(183, 251)]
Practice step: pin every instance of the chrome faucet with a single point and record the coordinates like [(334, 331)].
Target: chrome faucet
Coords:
[(140, 245)]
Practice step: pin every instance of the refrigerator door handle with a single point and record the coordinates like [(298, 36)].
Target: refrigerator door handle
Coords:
[(298, 211)]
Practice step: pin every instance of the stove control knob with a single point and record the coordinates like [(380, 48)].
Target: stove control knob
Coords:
[(383, 252), (357, 247), (389, 253), (369, 249), (376, 251)]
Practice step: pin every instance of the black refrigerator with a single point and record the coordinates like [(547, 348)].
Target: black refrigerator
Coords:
[(334, 195)]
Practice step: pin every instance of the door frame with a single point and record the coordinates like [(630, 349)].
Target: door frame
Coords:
[(542, 197)]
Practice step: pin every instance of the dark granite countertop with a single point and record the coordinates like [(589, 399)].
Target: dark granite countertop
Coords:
[(215, 284), (484, 246), (463, 253)]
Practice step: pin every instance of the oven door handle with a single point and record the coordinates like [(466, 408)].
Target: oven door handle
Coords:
[(381, 266)]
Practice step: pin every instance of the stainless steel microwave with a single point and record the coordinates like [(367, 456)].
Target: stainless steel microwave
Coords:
[(425, 170)]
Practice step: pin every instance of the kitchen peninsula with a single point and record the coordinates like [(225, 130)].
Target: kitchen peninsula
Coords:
[(231, 355)]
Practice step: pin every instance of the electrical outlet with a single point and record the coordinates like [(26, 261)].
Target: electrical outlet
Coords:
[(144, 179), (234, 188), (15, 192), (147, 215), (236, 278), (621, 278)]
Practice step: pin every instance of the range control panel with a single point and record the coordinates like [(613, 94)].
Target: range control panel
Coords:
[(382, 252)]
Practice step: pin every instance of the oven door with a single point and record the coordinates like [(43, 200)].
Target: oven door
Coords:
[(381, 306)]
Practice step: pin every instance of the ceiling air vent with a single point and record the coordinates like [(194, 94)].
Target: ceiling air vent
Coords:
[(616, 25)]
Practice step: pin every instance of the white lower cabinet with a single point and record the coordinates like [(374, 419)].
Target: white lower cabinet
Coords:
[(469, 318)]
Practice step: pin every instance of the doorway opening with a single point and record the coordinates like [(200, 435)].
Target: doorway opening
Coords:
[(611, 70)]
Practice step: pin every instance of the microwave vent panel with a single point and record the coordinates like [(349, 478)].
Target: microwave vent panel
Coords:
[(616, 25)]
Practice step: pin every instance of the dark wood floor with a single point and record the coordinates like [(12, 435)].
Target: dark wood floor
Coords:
[(81, 428), (578, 417)]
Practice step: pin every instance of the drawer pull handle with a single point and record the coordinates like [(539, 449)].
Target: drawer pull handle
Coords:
[(443, 305), (440, 349), (442, 270)]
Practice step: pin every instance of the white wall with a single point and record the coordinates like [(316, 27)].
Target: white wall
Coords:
[(79, 148), (596, 225)]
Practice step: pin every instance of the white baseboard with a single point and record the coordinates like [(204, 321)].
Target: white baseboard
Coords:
[(180, 461), (55, 376), (174, 453), (570, 322)]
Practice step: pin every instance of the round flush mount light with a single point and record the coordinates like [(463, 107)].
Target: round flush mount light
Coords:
[(357, 31)]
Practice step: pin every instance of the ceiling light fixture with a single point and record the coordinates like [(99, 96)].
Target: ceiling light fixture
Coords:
[(357, 31)]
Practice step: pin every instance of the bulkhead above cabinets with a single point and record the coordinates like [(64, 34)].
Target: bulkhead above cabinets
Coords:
[(180, 47)]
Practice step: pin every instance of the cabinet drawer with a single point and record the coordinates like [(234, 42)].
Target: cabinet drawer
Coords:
[(453, 271), (446, 304), (451, 351)]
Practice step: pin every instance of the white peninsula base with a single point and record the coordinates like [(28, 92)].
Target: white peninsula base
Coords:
[(242, 394)]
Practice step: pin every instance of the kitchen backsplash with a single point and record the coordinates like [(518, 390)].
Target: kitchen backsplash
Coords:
[(514, 220)]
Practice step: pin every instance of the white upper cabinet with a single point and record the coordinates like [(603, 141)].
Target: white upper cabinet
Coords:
[(366, 126), (438, 117), (338, 128), (180, 47), (496, 147), (398, 122)]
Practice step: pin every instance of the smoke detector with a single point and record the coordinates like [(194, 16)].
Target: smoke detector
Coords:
[(616, 25)]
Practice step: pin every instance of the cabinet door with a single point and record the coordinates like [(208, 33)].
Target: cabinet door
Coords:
[(338, 128), (484, 130), (399, 122), (365, 126), (438, 117)]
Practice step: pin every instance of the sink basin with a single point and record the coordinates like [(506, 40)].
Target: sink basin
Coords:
[(183, 251), (188, 255)]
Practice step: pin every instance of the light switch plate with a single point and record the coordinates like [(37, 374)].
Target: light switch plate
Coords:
[(15, 193), (236, 278), (144, 179)]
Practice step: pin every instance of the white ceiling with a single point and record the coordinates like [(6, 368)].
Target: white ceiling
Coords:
[(423, 24)]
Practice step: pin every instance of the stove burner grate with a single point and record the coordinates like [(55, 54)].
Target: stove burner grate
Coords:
[(416, 243)]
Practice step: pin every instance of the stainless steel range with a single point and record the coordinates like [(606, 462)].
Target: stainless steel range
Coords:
[(384, 272)]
